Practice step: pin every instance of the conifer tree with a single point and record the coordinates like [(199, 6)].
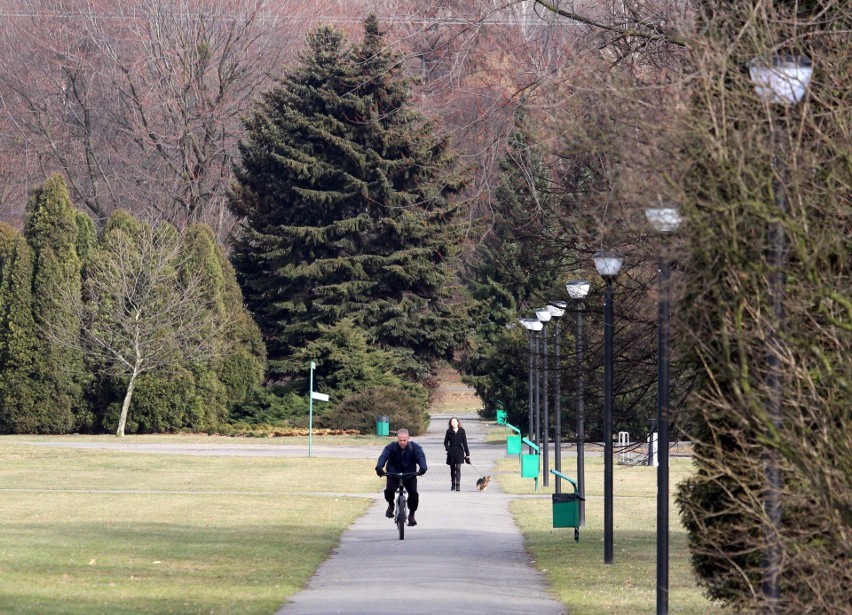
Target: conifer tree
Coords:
[(8, 236), (239, 354), (352, 366), (521, 256), (87, 235), (517, 266), (42, 368), (21, 410), (52, 233), (343, 192)]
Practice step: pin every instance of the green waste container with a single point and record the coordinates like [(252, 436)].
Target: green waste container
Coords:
[(566, 510), (382, 426), (529, 465), (501, 417), (513, 445)]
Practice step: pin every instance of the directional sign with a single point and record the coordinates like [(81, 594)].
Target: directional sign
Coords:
[(319, 396)]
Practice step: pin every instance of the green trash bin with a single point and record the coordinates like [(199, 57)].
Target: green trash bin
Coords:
[(529, 465), (382, 426), (513, 445), (566, 510), (566, 506)]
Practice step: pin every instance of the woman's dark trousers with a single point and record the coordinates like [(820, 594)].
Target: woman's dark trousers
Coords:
[(455, 476)]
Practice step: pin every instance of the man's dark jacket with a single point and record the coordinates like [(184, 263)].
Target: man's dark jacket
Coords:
[(402, 459)]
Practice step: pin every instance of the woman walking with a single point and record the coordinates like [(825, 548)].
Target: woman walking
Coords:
[(455, 443)]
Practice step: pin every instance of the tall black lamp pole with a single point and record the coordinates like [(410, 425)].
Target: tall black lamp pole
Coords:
[(544, 316), (664, 220), (532, 325), (577, 290), (777, 80), (608, 265), (536, 437), (557, 309)]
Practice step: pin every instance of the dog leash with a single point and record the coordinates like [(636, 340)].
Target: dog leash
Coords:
[(475, 468)]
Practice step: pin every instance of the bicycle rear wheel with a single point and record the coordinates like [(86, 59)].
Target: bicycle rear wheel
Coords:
[(401, 515)]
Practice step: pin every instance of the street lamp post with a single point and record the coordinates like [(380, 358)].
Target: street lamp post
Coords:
[(544, 316), (531, 325), (577, 290), (777, 80), (557, 309), (664, 220), (608, 265)]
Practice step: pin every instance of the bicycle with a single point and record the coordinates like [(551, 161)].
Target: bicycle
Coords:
[(400, 515)]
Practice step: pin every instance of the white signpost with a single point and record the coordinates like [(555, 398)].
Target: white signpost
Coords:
[(319, 397)]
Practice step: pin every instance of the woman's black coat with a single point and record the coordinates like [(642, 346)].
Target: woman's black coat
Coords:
[(455, 443)]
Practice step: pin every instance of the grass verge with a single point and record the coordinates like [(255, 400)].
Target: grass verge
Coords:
[(575, 570), (122, 533)]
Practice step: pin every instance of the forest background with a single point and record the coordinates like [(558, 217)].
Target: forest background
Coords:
[(567, 121)]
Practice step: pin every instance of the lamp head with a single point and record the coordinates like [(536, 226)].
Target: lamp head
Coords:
[(531, 324), (556, 308), (543, 315), (781, 79), (578, 289), (664, 219), (608, 264)]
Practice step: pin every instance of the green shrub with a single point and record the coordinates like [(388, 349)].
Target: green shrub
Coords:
[(265, 407), (241, 373), (347, 362), (209, 406), (359, 411), (169, 401), (103, 399), (161, 403)]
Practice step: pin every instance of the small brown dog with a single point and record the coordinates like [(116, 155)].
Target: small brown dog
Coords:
[(482, 482)]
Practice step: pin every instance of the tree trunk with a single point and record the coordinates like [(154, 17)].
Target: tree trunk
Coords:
[(122, 421)]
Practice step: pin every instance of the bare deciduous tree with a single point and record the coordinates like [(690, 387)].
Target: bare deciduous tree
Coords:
[(143, 309), (140, 106)]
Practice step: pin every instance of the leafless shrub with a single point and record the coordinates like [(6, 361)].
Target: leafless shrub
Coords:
[(743, 159)]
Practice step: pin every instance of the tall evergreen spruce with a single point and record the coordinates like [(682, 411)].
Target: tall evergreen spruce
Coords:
[(343, 192), (517, 262), (513, 269)]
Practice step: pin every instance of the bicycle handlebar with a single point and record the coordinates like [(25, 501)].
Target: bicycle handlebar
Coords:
[(400, 474)]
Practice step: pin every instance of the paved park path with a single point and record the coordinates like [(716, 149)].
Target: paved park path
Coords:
[(465, 556)]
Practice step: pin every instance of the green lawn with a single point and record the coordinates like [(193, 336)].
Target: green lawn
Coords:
[(110, 532), (576, 571), (101, 531)]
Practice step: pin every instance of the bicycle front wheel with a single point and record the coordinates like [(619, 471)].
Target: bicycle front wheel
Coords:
[(401, 515)]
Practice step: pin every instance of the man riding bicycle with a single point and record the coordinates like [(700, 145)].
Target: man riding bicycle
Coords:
[(402, 456)]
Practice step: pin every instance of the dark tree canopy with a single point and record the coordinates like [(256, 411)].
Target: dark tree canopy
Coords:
[(344, 196)]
